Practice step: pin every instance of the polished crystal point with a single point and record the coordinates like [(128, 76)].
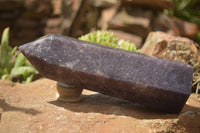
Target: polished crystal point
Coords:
[(160, 84)]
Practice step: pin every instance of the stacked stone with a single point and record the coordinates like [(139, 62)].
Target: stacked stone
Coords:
[(137, 18), (25, 18), (175, 26), (10, 10), (132, 20), (128, 19), (53, 22)]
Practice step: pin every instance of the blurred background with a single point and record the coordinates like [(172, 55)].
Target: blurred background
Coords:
[(128, 19)]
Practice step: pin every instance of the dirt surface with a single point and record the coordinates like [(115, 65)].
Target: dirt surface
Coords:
[(34, 108)]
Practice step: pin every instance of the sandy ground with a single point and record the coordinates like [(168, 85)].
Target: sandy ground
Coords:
[(34, 108)]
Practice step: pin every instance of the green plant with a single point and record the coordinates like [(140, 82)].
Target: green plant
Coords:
[(14, 65), (198, 38), (184, 9), (107, 38)]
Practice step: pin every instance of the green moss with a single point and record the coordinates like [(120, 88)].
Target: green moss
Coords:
[(107, 38)]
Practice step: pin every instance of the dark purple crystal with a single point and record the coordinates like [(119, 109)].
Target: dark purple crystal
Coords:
[(158, 83)]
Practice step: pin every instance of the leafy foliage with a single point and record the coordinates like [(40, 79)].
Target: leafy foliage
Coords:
[(109, 39), (184, 9), (14, 65), (198, 38)]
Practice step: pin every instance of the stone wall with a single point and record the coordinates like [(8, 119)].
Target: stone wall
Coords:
[(129, 19), (27, 19)]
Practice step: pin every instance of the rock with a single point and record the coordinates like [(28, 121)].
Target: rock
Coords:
[(34, 108), (42, 6), (56, 4), (9, 5), (26, 19), (52, 30), (52, 25), (67, 16), (27, 32), (90, 19), (155, 4), (10, 15), (189, 120), (160, 84), (176, 48), (175, 26), (73, 17), (104, 3), (127, 36), (37, 9), (27, 23), (53, 22), (136, 24), (106, 16), (190, 30)]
